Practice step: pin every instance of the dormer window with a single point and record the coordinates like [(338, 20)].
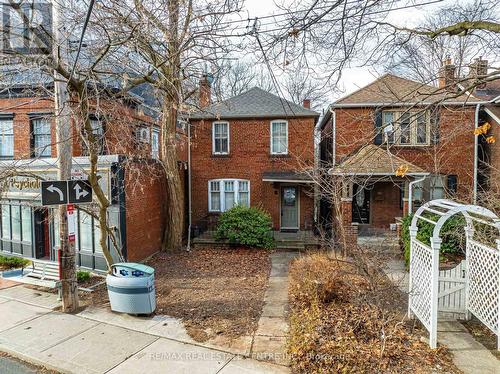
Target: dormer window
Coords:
[(279, 137), (220, 138)]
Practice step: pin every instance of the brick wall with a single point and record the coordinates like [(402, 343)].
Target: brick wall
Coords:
[(454, 154), (385, 204), (144, 210), (249, 158)]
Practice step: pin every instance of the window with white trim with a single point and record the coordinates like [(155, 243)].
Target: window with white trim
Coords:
[(279, 137), (41, 137), (6, 137), (220, 138), (406, 128), (223, 194), (155, 143)]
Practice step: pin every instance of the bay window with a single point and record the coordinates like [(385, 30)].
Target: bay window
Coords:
[(220, 138), (279, 137), (223, 194)]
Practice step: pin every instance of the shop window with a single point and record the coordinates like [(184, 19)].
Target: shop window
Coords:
[(6, 222), (15, 213), (16, 223), (26, 220)]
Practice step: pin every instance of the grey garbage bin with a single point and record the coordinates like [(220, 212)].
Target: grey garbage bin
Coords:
[(131, 288)]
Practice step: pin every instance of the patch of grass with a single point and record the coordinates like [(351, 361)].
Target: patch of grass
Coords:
[(341, 322), (82, 276), (7, 263)]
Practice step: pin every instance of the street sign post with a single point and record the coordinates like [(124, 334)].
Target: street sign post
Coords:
[(66, 192)]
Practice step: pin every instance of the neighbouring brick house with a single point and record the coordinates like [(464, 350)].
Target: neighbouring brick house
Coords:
[(253, 149), (131, 176), (378, 139)]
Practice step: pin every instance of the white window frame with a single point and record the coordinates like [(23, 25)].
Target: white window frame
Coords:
[(228, 137), (413, 128), (222, 200), (271, 137), (7, 121), (155, 153)]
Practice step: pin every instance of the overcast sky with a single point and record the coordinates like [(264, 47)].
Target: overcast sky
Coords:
[(353, 78)]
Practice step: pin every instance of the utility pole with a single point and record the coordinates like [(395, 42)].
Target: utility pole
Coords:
[(64, 140)]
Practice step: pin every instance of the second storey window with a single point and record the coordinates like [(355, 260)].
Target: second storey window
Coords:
[(223, 194), (6, 137), (406, 128), (279, 137), (41, 137), (98, 132), (220, 138), (155, 143)]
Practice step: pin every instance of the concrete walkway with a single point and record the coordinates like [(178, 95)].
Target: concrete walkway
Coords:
[(470, 356), (270, 338), (99, 341)]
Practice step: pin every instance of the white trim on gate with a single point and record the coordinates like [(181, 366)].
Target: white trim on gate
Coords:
[(482, 267)]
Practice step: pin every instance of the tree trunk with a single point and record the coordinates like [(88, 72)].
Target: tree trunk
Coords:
[(174, 214)]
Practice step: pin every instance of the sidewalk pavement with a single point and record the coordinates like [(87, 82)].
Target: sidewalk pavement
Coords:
[(99, 341)]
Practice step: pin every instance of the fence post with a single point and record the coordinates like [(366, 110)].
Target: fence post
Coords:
[(469, 234), (413, 236), (436, 246)]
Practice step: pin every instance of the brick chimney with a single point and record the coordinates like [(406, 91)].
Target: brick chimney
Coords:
[(205, 90), (447, 75), (306, 103), (478, 68)]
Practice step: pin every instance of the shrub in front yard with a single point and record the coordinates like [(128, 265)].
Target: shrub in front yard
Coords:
[(452, 233), (345, 321), (248, 226), (82, 276), (13, 262)]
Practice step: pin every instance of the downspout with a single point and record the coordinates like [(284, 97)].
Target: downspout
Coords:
[(188, 247), (410, 193), (317, 156), (476, 148), (334, 136)]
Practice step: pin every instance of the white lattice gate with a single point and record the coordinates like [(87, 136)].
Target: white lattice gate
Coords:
[(472, 287)]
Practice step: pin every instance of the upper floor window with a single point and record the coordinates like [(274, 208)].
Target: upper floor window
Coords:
[(406, 128), (155, 143), (279, 137), (220, 138), (41, 137), (98, 132), (6, 137), (223, 194)]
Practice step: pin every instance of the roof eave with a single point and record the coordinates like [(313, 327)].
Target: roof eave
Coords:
[(401, 104)]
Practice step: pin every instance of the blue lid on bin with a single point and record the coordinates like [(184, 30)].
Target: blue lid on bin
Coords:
[(135, 268)]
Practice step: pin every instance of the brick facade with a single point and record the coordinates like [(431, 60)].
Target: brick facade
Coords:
[(249, 158), (453, 154)]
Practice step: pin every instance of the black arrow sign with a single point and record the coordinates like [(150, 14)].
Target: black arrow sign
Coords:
[(54, 193)]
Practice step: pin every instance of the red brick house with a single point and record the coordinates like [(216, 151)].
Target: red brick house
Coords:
[(253, 149), (382, 137), (130, 175)]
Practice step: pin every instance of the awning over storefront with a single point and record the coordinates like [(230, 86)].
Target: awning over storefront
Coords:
[(287, 177), (372, 160)]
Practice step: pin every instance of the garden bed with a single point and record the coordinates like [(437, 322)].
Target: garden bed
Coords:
[(214, 291), (343, 320)]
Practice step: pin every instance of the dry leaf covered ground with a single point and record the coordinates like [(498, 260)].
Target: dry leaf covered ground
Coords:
[(343, 322), (214, 291)]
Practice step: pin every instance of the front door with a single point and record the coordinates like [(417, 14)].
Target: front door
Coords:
[(360, 205), (289, 207), (40, 232)]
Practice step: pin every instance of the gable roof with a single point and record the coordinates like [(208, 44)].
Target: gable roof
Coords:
[(254, 103), (374, 160), (391, 89)]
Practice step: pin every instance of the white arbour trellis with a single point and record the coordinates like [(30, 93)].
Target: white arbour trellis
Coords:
[(482, 270)]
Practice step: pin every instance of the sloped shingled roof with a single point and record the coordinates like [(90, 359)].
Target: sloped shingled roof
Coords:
[(254, 103), (390, 88), (374, 160)]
